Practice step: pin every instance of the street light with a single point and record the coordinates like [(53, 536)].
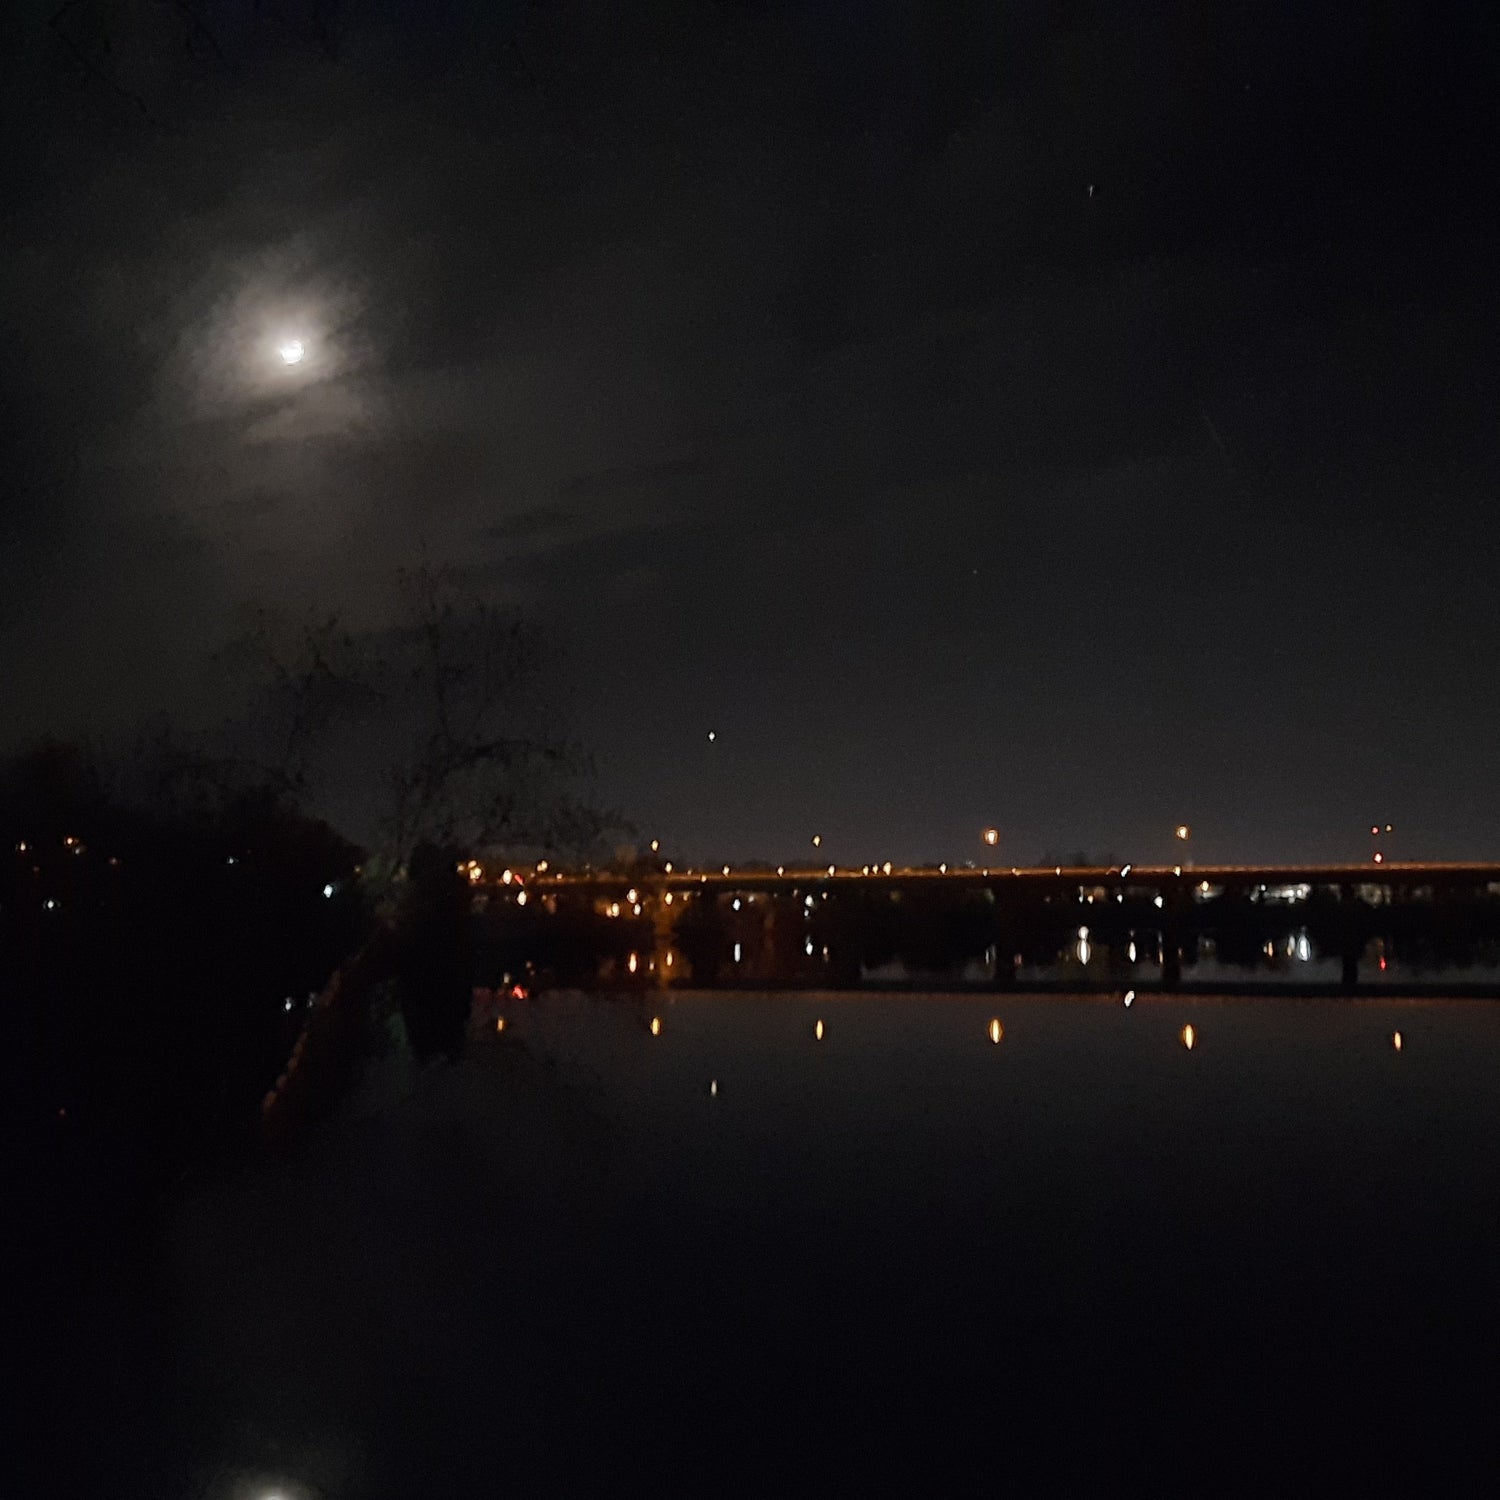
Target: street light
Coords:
[(991, 836), (1183, 832)]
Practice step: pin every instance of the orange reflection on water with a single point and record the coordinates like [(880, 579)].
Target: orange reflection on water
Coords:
[(1396, 1041), (655, 1025), (996, 1031), (1189, 1037), (818, 1031)]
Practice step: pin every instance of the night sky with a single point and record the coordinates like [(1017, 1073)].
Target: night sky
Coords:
[(1027, 414)]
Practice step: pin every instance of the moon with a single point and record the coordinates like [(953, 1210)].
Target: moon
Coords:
[(292, 352)]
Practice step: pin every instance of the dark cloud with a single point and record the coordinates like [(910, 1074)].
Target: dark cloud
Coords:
[(1093, 412)]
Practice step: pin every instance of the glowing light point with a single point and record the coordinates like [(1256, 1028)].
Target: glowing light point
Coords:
[(1396, 1040), (1182, 831), (818, 1031), (712, 736), (1189, 1037), (996, 1031), (499, 1023), (817, 841), (713, 1087), (992, 836), (1129, 998), (656, 1024), (292, 352)]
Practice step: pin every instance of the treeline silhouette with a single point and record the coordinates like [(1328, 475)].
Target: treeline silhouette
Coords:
[(838, 935), (157, 951)]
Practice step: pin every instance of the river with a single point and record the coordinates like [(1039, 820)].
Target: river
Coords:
[(742, 1249)]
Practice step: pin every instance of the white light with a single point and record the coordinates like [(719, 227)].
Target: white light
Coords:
[(520, 898), (1129, 996), (328, 890), (1304, 948), (809, 947), (1125, 870), (735, 904), (943, 869), (292, 352), (712, 736), (1130, 954), (1159, 901), (818, 1031), (737, 951), (713, 1086)]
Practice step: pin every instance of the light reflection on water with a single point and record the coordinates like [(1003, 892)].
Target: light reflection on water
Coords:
[(906, 1185)]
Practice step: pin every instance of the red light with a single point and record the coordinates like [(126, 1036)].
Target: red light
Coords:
[(518, 992), (1382, 962)]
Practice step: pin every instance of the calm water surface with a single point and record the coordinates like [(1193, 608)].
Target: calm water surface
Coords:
[(734, 1254)]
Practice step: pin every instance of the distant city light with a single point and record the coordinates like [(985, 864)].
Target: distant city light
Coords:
[(885, 868)]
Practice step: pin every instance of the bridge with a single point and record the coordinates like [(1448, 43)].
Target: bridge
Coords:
[(1133, 923)]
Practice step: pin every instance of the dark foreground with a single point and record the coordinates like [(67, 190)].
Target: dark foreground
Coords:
[(1084, 1259)]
